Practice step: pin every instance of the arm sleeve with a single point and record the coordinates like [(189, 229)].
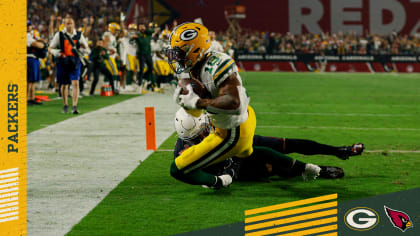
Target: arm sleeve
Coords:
[(221, 71), (55, 41), (29, 40)]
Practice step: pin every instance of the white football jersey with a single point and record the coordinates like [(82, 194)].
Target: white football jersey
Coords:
[(217, 68), (113, 43)]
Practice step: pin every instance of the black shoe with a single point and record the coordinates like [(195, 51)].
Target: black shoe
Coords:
[(74, 110), (331, 172), (30, 102), (65, 109), (348, 151)]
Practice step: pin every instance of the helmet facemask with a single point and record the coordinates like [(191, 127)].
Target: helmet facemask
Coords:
[(176, 59)]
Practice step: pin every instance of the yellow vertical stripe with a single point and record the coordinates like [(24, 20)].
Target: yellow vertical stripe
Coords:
[(13, 104)]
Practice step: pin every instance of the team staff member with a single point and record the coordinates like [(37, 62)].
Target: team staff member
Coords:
[(34, 70), (144, 52), (98, 56), (68, 70)]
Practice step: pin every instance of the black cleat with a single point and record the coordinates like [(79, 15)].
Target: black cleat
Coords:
[(348, 151), (331, 172)]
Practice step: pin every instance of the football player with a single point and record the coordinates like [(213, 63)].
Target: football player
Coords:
[(191, 130), (228, 108), (129, 56), (111, 44), (161, 67)]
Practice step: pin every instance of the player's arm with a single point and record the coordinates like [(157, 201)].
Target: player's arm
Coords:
[(228, 100)]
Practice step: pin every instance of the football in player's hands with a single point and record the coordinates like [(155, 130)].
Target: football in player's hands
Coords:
[(197, 86)]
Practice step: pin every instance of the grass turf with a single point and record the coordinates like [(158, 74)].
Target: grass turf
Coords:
[(379, 110), (50, 112)]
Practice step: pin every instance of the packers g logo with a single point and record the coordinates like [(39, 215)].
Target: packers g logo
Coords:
[(188, 35), (361, 218)]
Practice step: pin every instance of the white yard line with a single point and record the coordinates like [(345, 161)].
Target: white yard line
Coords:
[(333, 127), (74, 164), (335, 114)]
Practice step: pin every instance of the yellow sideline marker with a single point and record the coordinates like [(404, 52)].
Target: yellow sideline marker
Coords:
[(13, 118), (150, 128)]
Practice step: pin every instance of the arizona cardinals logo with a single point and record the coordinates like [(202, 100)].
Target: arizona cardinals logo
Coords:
[(399, 219)]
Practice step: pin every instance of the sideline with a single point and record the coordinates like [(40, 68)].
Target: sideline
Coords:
[(74, 164)]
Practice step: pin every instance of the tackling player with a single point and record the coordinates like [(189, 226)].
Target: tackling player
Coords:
[(233, 119), (191, 130)]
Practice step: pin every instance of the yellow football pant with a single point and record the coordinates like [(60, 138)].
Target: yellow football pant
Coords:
[(132, 63), (219, 146), (162, 68), (111, 65)]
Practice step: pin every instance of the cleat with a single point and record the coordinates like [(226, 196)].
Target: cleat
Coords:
[(222, 181), (348, 151), (226, 180), (65, 109), (331, 172), (311, 172)]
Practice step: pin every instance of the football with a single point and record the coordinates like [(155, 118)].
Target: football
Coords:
[(197, 86)]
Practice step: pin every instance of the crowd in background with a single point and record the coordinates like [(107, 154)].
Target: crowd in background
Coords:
[(99, 13), (336, 44)]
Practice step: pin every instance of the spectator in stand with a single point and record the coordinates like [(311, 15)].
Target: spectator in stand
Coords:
[(215, 45)]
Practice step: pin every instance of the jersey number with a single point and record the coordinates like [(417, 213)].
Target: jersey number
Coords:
[(211, 62)]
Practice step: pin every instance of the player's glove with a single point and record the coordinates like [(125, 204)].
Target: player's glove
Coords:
[(177, 92), (189, 101)]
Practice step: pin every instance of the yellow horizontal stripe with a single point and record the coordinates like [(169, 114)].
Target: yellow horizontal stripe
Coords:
[(328, 234), (291, 219), (226, 66), (291, 212), (291, 204), (293, 227), (312, 231)]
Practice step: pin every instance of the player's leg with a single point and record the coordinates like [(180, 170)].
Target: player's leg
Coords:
[(188, 166), (218, 146), (285, 166), (308, 147)]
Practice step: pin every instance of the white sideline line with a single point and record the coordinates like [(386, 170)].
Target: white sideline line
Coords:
[(393, 151), (368, 151), (333, 114), (332, 127)]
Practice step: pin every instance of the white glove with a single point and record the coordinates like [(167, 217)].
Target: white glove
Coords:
[(188, 101)]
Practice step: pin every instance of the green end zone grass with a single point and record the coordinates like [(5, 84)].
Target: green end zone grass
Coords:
[(40, 116), (379, 110)]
